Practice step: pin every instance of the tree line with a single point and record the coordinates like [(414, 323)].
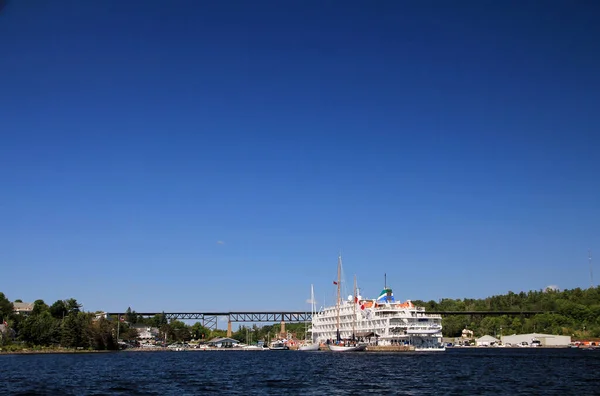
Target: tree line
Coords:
[(60, 324), (574, 312)]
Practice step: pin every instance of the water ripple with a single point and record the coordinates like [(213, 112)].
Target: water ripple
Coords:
[(455, 372)]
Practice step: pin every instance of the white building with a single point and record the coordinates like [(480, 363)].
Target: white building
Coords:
[(487, 340), (101, 315), (146, 333), (544, 339), (223, 342)]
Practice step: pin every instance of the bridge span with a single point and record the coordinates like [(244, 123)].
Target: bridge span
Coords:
[(209, 319)]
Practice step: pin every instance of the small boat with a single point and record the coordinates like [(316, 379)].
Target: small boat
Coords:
[(344, 346), (309, 345), (431, 349), (347, 348), (278, 346), (253, 348)]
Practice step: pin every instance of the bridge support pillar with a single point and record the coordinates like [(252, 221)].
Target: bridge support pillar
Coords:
[(229, 332), (283, 329)]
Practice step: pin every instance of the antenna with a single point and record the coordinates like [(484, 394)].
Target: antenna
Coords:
[(591, 272), (384, 280)]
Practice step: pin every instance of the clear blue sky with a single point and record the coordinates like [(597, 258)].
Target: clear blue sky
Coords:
[(216, 155)]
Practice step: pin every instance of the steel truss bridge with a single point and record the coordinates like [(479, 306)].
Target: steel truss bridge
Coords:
[(489, 313), (210, 319)]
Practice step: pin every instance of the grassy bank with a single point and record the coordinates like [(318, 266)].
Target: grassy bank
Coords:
[(22, 349)]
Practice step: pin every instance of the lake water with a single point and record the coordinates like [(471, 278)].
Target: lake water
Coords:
[(502, 371)]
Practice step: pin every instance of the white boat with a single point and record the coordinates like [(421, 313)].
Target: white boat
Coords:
[(278, 345), (442, 348), (254, 348), (382, 321), (349, 344), (310, 345), (347, 348)]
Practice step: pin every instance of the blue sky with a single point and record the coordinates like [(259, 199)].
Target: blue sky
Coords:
[(216, 156)]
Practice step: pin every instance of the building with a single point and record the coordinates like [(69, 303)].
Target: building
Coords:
[(486, 340), (544, 339), (22, 308), (146, 333), (101, 315), (223, 342)]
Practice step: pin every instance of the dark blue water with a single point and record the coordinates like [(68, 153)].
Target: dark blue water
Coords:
[(454, 372)]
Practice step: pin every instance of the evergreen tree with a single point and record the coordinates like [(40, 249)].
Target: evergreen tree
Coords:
[(6, 308)]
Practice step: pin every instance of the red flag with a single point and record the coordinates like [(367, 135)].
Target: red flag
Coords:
[(334, 282)]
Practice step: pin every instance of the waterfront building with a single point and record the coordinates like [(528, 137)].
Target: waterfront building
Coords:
[(146, 333), (537, 338), (487, 340), (223, 342)]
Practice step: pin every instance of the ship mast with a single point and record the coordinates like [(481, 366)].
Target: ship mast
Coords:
[(354, 304), (339, 276), (591, 273)]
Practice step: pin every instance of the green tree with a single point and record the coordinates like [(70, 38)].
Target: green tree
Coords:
[(72, 306), (199, 332), (103, 334), (131, 316), (39, 306), (71, 332), (6, 308), (76, 330), (158, 320), (129, 333), (58, 309), (453, 326), (180, 331), (40, 329)]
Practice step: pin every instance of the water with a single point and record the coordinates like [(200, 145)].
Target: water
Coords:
[(505, 371)]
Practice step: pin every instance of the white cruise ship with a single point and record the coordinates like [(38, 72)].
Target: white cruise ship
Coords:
[(382, 321)]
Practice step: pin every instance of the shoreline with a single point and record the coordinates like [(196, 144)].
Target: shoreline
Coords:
[(372, 349), (51, 351)]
